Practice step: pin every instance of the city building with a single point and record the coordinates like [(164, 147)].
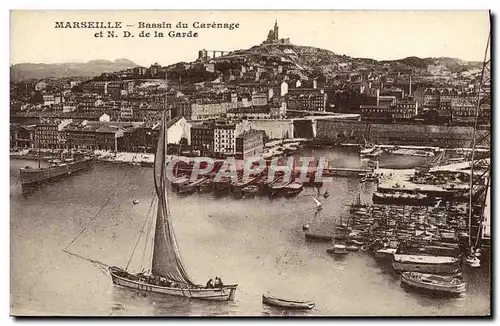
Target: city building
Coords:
[(225, 134), (202, 139), (259, 112), (49, 99), (95, 87), (389, 110), (22, 136), (106, 137), (47, 135), (306, 99), (126, 113), (204, 111), (178, 128), (139, 71), (259, 99), (249, 144)]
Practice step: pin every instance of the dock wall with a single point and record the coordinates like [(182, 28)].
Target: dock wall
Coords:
[(274, 129), (395, 134)]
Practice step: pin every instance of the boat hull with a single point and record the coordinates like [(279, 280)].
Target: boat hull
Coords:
[(429, 201), (437, 288), (275, 302), (318, 237), (38, 176), (440, 269), (226, 293)]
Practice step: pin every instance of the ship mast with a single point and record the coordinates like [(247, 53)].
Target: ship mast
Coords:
[(478, 187), (38, 139)]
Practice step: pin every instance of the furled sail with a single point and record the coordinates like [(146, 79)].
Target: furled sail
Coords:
[(167, 261)]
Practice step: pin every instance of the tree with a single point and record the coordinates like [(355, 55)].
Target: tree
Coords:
[(37, 98)]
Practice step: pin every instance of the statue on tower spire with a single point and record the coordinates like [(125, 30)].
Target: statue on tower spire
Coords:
[(276, 35)]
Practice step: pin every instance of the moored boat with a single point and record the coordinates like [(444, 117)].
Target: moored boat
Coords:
[(57, 169), (250, 190), (401, 198), (180, 181), (190, 187), (338, 250), (443, 265), (434, 283), (318, 236), (288, 304)]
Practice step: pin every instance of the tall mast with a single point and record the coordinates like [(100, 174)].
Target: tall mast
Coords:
[(478, 187), (38, 138)]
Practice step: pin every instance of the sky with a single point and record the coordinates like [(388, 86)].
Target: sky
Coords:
[(381, 35)]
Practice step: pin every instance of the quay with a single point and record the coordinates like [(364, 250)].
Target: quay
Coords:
[(348, 172)]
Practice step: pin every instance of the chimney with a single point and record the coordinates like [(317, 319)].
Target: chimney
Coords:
[(378, 96)]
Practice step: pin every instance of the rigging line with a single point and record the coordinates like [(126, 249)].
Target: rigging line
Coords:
[(140, 233), (100, 210), (93, 261), (148, 236)]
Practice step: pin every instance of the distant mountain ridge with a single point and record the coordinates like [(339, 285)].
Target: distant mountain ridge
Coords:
[(70, 69)]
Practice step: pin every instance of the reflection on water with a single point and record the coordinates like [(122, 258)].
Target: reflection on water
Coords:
[(255, 242)]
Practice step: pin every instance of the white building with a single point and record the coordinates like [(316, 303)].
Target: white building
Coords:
[(49, 99), (259, 99), (209, 110), (126, 113), (104, 118), (284, 88), (177, 129), (225, 136)]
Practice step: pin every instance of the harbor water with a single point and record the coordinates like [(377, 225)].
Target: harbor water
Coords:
[(255, 242)]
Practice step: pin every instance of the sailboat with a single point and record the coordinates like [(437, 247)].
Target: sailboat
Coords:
[(337, 248), (168, 273), (319, 205)]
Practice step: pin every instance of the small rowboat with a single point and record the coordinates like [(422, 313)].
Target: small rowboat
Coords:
[(434, 283), (338, 250), (289, 304)]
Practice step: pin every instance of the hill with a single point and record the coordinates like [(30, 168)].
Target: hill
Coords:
[(70, 69), (307, 61)]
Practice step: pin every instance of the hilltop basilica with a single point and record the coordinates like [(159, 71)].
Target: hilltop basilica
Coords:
[(273, 36)]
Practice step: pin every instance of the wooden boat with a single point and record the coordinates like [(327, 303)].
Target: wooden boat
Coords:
[(168, 273), (180, 181), (426, 264), (402, 198), (287, 189), (190, 187), (250, 190), (338, 250), (318, 236), (434, 283), (385, 253), (352, 248), (288, 304)]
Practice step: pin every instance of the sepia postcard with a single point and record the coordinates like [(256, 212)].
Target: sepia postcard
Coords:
[(250, 163)]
